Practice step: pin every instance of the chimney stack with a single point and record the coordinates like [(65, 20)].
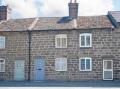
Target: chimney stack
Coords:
[(4, 12), (73, 9)]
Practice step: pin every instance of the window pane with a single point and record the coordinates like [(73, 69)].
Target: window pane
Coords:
[(2, 42), (56, 65), (87, 63), (61, 64), (82, 40), (87, 40), (107, 65), (2, 38), (2, 67), (58, 42), (82, 64), (61, 41), (64, 42)]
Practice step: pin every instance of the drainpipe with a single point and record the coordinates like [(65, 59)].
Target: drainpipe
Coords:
[(29, 54), (32, 25)]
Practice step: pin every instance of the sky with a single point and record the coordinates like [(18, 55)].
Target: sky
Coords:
[(59, 8)]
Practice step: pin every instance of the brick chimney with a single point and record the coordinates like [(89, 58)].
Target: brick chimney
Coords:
[(73, 9), (4, 12)]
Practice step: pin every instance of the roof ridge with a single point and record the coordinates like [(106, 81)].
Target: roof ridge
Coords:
[(54, 17)]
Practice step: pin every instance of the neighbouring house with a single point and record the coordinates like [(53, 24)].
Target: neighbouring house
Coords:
[(71, 48)]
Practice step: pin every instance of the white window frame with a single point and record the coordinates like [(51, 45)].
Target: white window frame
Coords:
[(2, 63), (85, 35), (85, 58), (56, 60), (3, 37), (60, 36)]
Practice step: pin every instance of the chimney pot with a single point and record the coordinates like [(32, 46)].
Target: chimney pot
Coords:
[(71, 1)]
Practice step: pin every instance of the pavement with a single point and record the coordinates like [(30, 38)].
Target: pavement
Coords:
[(59, 84)]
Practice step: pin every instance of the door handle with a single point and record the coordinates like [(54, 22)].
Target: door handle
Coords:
[(39, 69)]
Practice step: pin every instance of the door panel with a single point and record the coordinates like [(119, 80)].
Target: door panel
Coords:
[(19, 70), (39, 69), (108, 75), (107, 70)]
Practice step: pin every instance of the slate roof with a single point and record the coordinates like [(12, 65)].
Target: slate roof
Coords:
[(49, 23), (94, 22), (16, 24), (116, 15), (56, 23)]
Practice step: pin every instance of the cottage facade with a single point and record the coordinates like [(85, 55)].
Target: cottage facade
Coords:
[(69, 48)]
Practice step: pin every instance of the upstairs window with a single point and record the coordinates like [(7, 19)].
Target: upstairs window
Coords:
[(61, 64), (85, 64), (2, 65), (61, 41), (2, 42), (85, 40)]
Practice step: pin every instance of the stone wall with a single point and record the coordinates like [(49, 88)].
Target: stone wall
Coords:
[(16, 48), (105, 45)]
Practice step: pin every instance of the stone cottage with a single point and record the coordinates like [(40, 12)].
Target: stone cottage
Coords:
[(71, 48)]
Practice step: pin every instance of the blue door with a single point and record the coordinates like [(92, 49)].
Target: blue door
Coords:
[(39, 69)]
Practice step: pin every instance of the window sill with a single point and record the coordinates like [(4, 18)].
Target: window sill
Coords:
[(85, 47), (85, 70)]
